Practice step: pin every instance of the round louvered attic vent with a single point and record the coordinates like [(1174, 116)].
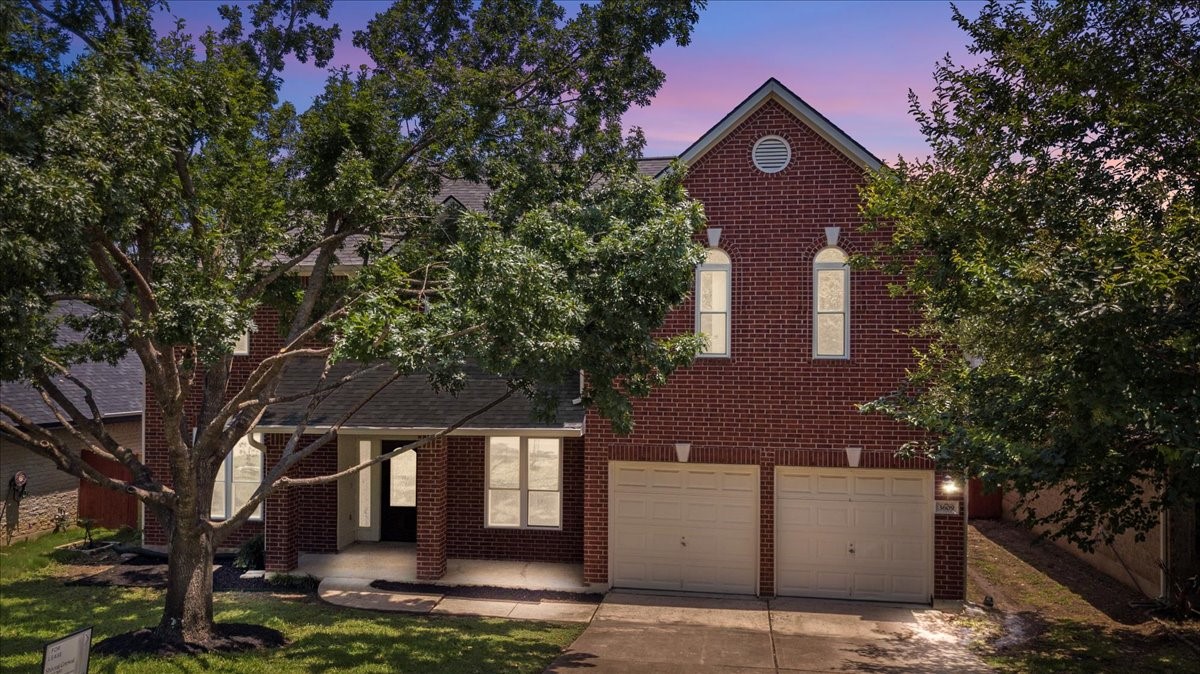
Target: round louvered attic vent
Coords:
[(771, 154)]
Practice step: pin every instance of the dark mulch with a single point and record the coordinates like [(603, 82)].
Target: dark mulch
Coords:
[(500, 593), (230, 638), (149, 571)]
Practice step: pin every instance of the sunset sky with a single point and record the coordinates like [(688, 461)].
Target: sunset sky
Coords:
[(853, 61)]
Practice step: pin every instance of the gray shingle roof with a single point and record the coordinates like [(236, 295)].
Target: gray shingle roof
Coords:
[(411, 403), (118, 389)]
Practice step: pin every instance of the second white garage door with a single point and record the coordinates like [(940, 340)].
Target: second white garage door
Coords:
[(854, 533), (690, 527)]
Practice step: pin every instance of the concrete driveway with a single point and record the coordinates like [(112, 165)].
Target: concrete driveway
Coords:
[(666, 634)]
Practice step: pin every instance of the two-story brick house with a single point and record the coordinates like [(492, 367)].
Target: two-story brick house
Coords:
[(751, 472)]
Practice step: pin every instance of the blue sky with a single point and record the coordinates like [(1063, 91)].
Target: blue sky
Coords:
[(853, 61)]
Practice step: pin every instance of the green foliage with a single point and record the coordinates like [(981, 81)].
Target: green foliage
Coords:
[(252, 554), (1053, 241), (155, 181)]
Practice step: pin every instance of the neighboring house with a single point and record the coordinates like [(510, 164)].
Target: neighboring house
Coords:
[(49, 493), (752, 472), (1173, 543)]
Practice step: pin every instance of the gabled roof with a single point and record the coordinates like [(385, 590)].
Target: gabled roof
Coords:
[(773, 90)]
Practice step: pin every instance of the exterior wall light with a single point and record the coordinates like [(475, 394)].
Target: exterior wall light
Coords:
[(682, 450), (951, 486)]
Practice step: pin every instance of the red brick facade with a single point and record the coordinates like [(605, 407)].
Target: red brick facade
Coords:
[(769, 404)]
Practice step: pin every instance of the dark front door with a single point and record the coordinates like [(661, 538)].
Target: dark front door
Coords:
[(399, 496)]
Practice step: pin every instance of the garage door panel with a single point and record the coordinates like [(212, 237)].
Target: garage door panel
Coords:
[(870, 486), (698, 531), (887, 521)]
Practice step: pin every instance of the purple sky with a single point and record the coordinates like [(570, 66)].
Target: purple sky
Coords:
[(853, 61)]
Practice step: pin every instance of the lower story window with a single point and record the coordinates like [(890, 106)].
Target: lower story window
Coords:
[(238, 478), (524, 482)]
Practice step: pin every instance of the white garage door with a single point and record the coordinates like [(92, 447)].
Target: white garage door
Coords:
[(854, 533), (687, 527)]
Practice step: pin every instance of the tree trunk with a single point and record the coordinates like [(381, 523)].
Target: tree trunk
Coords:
[(188, 614)]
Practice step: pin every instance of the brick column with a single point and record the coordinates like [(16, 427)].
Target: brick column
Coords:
[(595, 513), (766, 523), (431, 510), (949, 543), (279, 516)]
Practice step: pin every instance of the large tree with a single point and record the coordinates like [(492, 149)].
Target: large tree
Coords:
[(1052, 244), (158, 181)]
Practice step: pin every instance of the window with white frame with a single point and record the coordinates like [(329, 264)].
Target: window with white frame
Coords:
[(242, 347), (713, 302), (831, 304), (524, 482), (238, 478)]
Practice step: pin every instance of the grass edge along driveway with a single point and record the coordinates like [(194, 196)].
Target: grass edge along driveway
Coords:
[(35, 607)]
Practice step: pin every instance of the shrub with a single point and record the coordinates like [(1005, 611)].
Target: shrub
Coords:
[(252, 554)]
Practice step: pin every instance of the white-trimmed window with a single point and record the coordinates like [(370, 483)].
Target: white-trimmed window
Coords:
[(242, 347), (713, 286), (238, 478), (831, 304), (524, 482)]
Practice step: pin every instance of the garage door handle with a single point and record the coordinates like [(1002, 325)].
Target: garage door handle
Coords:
[(683, 541), (852, 548)]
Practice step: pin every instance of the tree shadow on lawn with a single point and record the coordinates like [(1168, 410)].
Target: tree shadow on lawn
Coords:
[(1099, 590), (323, 637)]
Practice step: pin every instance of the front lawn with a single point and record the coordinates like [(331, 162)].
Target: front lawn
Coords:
[(1056, 614), (35, 607)]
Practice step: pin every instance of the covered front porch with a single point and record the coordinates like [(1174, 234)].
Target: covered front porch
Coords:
[(397, 562)]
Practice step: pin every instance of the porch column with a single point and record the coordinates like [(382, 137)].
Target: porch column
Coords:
[(279, 517), (431, 510)]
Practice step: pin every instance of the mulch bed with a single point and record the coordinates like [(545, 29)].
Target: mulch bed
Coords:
[(148, 571), (230, 638), (498, 593)]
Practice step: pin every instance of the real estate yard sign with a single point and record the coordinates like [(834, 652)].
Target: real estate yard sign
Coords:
[(68, 655)]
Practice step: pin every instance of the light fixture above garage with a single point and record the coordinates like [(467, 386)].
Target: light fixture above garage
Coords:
[(682, 450), (951, 486)]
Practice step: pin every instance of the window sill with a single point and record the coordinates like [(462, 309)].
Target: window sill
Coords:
[(521, 528)]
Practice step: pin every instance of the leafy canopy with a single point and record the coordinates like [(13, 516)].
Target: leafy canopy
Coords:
[(1057, 225)]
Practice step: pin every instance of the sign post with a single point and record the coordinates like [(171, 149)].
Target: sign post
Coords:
[(68, 655)]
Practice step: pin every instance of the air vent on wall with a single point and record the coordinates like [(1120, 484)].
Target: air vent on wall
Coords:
[(772, 154)]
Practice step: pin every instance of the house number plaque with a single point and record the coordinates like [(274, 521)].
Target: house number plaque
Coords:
[(946, 507)]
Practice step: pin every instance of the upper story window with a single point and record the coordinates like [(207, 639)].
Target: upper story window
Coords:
[(713, 302), (524, 482), (242, 347), (831, 304), (238, 477)]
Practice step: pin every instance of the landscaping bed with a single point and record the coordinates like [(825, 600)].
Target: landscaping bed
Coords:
[(134, 570), (1053, 613)]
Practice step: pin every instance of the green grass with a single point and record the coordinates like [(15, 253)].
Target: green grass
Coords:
[(35, 608), (1067, 634)]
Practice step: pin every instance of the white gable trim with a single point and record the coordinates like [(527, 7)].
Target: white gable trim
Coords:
[(773, 90)]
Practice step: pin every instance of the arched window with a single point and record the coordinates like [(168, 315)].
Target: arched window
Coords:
[(713, 302), (831, 304)]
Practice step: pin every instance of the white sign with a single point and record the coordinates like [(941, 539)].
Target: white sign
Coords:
[(945, 507), (68, 655)]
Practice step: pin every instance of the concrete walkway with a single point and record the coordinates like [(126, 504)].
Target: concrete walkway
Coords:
[(641, 633), (358, 593)]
